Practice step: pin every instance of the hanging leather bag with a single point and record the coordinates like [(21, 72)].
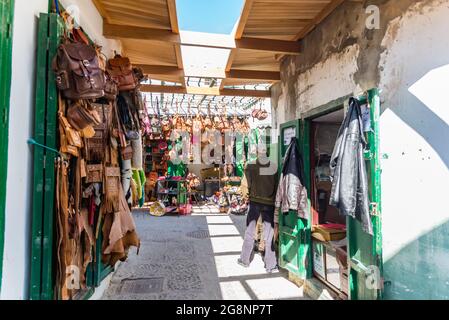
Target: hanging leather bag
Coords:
[(121, 70), (110, 88), (78, 74), (94, 173), (81, 115)]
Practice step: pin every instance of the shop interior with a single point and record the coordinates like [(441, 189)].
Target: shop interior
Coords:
[(174, 188), (329, 239)]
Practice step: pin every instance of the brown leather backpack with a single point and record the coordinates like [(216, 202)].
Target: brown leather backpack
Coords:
[(122, 72), (78, 73)]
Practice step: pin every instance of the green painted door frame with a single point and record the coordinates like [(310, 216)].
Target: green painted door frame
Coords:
[(364, 251), (6, 29)]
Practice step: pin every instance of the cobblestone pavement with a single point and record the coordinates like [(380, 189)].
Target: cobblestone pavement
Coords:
[(194, 258)]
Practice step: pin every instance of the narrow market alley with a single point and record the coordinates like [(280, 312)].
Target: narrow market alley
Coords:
[(195, 258)]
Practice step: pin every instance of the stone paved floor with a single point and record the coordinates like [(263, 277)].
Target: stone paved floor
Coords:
[(194, 258)]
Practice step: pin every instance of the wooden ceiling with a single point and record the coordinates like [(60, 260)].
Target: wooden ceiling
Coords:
[(267, 31), (152, 14), (287, 20)]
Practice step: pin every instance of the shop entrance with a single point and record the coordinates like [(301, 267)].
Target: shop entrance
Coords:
[(6, 20), (346, 258), (330, 247)]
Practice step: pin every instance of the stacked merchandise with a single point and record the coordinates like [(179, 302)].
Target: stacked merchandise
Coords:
[(100, 168)]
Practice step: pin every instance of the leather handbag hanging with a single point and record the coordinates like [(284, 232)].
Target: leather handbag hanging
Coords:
[(81, 114), (94, 173), (70, 139), (78, 74), (95, 146), (112, 185), (73, 136), (121, 70), (110, 88)]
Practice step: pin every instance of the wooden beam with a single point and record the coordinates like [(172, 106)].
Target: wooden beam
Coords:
[(173, 71), (253, 75), (239, 34), (243, 18), (131, 32), (178, 54), (276, 46), (206, 91), (161, 70), (201, 39), (173, 16)]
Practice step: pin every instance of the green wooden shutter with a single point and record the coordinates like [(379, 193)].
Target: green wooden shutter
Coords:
[(6, 22), (42, 278)]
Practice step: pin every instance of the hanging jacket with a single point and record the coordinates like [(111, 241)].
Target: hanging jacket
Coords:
[(292, 193), (348, 170), (261, 185)]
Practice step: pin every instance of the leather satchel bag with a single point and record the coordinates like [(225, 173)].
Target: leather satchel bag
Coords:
[(122, 71), (81, 115), (94, 173), (112, 187), (78, 73), (73, 136)]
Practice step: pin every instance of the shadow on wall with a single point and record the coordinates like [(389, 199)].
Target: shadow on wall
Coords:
[(420, 269), (425, 116), (425, 277)]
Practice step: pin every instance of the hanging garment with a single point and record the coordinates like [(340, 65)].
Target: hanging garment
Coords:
[(348, 169), (292, 193), (119, 231), (261, 183)]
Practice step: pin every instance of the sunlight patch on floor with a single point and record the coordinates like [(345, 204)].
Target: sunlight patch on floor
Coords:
[(219, 220), (226, 244), (223, 230), (227, 267), (234, 290), (279, 288)]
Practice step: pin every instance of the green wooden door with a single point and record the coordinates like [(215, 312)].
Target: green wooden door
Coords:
[(6, 21), (365, 251), (294, 232)]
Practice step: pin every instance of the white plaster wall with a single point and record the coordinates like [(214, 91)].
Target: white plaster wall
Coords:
[(324, 82), (328, 80), (414, 128), (18, 192), (19, 182), (415, 135)]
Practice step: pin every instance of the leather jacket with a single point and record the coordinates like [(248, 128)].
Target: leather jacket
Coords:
[(348, 169), (292, 193)]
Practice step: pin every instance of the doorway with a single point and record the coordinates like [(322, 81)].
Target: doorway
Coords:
[(6, 20), (329, 235)]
